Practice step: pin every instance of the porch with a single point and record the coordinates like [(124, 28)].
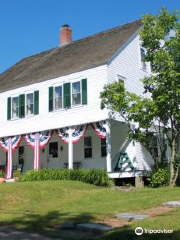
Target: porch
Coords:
[(95, 148)]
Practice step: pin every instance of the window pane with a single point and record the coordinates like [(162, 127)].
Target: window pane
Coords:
[(76, 87), (103, 147), (76, 99), (58, 103), (143, 54), (15, 106), (87, 142), (103, 151), (53, 149), (58, 92), (103, 141), (88, 152), (29, 103)]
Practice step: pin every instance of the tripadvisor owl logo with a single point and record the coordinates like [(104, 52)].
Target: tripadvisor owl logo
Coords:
[(138, 231)]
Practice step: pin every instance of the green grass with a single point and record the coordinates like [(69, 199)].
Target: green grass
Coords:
[(39, 205)]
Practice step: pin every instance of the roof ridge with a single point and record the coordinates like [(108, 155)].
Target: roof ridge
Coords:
[(79, 55), (79, 40), (104, 31)]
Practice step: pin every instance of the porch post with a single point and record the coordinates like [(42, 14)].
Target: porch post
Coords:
[(70, 149), (108, 146), (9, 160), (36, 152)]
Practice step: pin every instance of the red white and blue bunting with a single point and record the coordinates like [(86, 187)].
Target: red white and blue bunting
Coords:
[(63, 134), (100, 129), (9, 145), (37, 141), (77, 133), (13, 140)]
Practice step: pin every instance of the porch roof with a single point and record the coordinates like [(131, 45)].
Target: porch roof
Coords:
[(58, 124)]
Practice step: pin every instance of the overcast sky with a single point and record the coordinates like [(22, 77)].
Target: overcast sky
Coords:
[(28, 27)]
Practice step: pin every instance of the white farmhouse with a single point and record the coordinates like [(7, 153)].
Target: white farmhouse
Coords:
[(50, 105)]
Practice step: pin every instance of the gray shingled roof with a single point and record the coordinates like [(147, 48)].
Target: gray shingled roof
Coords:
[(76, 56)]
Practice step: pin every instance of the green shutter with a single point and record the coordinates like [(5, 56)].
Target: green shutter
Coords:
[(36, 102), (21, 106), (9, 108), (51, 99), (67, 95), (84, 91)]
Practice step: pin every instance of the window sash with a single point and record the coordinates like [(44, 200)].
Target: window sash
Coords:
[(103, 148), (58, 99), (143, 54), (76, 93), (29, 104), (87, 147), (15, 107)]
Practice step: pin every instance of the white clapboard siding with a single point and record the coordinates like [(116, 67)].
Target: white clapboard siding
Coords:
[(126, 64), (96, 78)]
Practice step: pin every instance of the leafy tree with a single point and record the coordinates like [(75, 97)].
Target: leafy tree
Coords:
[(158, 111)]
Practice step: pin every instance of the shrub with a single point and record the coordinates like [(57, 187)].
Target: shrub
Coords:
[(17, 173), (2, 174), (97, 177), (160, 178)]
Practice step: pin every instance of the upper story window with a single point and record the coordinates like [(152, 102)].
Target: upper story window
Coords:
[(30, 104), (67, 95), (58, 97), (15, 107), (143, 54), (76, 93), (23, 105)]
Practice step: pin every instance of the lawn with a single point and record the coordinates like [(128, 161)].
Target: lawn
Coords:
[(39, 206)]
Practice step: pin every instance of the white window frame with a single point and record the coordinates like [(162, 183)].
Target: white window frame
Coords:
[(121, 78), (72, 93), (57, 109), (13, 118), (32, 114)]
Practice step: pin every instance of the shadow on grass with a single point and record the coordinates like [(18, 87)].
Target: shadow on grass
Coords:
[(45, 225)]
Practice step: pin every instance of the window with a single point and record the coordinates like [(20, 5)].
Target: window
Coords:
[(87, 147), (53, 149), (103, 147), (18, 107), (143, 54), (68, 95), (76, 93), (58, 97), (15, 107), (30, 104), (21, 154)]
